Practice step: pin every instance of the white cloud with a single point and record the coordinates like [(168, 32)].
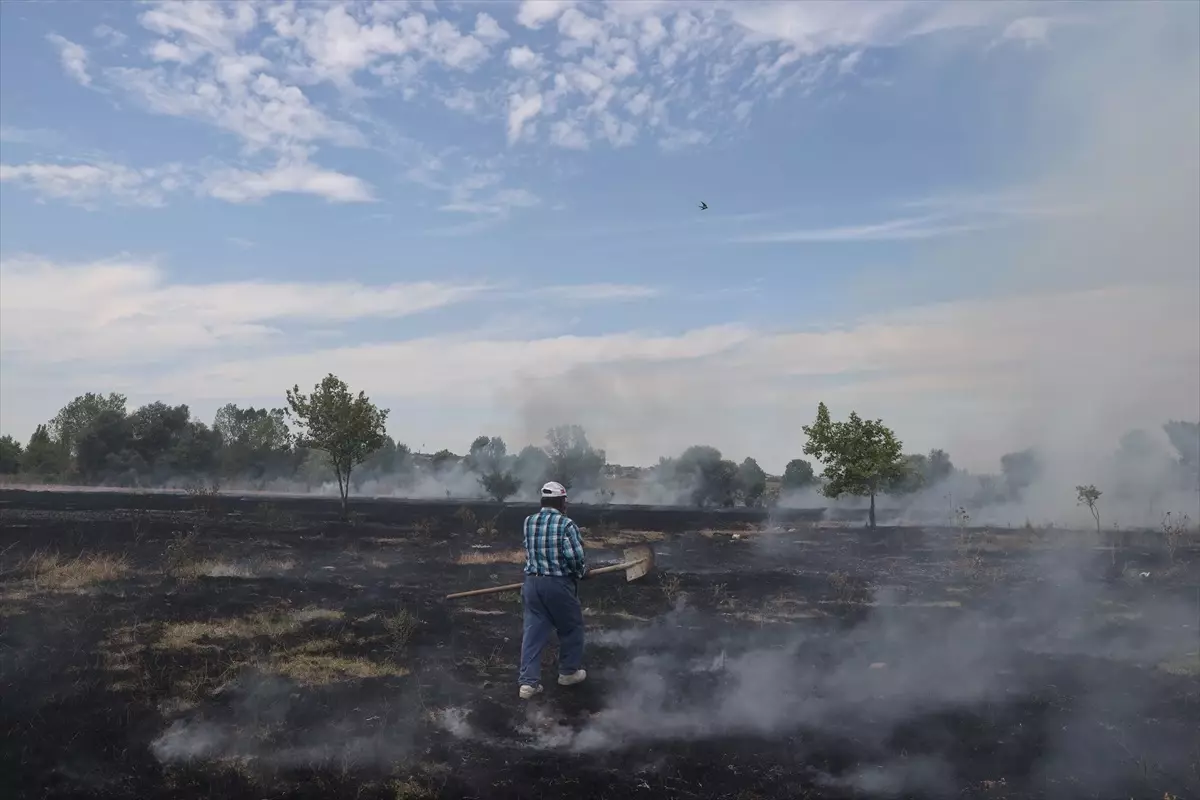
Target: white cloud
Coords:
[(89, 184), (598, 291), (535, 13), (521, 110), (905, 229), (677, 72), (487, 30), (1030, 30), (564, 133), (128, 312), (86, 184), (74, 58), (113, 36), (10, 134), (242, 186), (933, 372), (523, 58), (262, 111)]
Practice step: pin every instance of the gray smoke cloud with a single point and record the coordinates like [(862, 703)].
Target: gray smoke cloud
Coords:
[(1049, 629)]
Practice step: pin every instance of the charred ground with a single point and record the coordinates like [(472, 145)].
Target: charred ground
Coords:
[(160, 646)]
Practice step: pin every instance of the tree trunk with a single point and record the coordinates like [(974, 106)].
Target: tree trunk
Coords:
[(872, 524), (343, 487)]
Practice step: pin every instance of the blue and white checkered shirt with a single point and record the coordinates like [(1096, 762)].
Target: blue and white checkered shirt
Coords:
[(553, 545)]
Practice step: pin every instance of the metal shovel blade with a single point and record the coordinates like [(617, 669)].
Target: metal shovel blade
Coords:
[(640, 560)]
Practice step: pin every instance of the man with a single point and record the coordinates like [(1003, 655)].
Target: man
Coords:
[(554, 565)]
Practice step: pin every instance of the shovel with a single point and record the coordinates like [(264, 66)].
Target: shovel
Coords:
[(638, 561)]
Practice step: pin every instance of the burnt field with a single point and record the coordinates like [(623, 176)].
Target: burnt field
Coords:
[(166, 646)]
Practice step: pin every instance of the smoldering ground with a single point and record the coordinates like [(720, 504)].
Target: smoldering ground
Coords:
[(1050, 646), (834, 661)]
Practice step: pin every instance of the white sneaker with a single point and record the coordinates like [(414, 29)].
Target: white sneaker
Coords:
[(575, 677), (529, 691)]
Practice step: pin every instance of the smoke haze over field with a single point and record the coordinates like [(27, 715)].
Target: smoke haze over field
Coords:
[(690, 677)]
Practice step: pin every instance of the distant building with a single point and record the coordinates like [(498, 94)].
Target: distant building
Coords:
[(619, 471)]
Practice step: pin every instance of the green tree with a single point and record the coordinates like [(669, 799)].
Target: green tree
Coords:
[(1088, 496), (348, 428), (938, 466), (43, 456), (798, 474), (443, 459), (392, 458), (499, 484), (532, 466), (573, 461), (10, 455), (106, 446), (489, 459), (711, 478), (861, 456), (255, 442), (751, 482), (79, 414)]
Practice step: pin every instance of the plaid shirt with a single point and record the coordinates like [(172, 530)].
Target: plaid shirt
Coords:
[(553, 545)]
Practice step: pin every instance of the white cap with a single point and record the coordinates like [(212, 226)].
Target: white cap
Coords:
[(554, 489)]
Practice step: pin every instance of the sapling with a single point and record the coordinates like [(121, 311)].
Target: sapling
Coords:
[(1088, 496)]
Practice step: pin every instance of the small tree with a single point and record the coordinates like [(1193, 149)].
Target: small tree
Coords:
[(751, 482), (10, 455), (43, 456), (861, 456), (499, 484), (573, 461), (797, 475), (346, 427), (1088, 495), (489, 459)]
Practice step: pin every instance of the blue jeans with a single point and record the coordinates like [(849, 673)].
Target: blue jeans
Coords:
[(551, 605)]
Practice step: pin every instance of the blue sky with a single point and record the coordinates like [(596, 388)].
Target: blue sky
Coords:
[(486, 214)]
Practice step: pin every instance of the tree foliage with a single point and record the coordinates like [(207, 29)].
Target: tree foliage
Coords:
[(1088, 496), (532, 466), (82, 413), (11, 452), (751, 482), (701, 476), (43, 457), (798, 474), (922, 471), (489, 459), (346, 427), (573, 461), (861, 457)]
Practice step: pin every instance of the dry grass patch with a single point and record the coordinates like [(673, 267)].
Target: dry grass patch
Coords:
[(51, 571), (618, 538), (190, 635), (491, 557), (309, 668), (1185, 666)]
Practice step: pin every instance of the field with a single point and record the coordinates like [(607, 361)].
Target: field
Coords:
[(171, 646)]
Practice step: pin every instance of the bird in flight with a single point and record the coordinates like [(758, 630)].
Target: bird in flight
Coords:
[(703, 205)]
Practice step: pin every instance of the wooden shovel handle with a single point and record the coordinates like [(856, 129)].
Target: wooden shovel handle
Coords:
[(490, 590), (511, 586)]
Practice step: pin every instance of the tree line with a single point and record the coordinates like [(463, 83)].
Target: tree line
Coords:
[(332, 434)]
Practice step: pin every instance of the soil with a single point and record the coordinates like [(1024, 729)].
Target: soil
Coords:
[(173, 646)]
